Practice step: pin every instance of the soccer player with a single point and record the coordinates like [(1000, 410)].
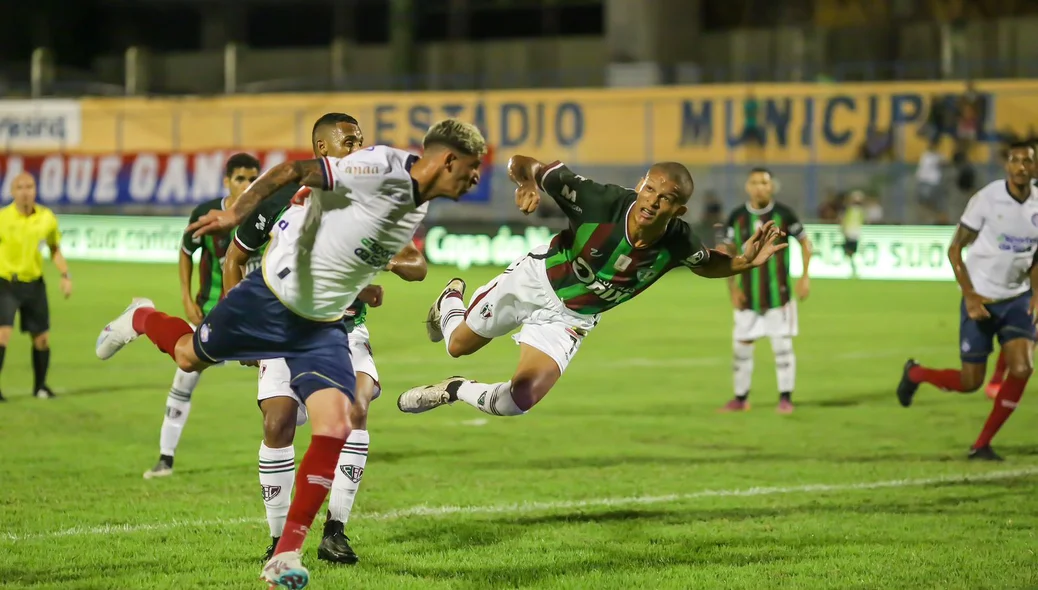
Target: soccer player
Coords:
[(1000, 227), (278, 403), (25, 226), (239, 172), (323, 255), (618, 243), (762, 297)]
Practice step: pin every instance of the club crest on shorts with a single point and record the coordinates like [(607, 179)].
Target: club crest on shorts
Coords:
[(487, 311), (270, 492), (353, 472), (203, 333)]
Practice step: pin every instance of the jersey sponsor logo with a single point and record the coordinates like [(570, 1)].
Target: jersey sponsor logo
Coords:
[(364, 170), (570, 194), (374, 253), (605, 291), (353, 472), (1017, 244), (270, 492)]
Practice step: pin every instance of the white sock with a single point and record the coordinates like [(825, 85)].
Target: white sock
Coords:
[(452, 313), (785, 363), (277, 474), (494, 399), (178, 406), (742, 356), (352, 458)]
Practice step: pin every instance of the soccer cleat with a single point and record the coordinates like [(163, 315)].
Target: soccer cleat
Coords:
[(992, 390), (432, 321), (735, 405), (335, 545), (985, 453), (285, 570), (164, 468), (44, 392), (428, 397), (785, 406), (270, 550), (2, 398), (906, 388), (119, 332)]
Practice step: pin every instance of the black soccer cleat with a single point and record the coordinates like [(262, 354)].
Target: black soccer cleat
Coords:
[(44, 392), (985, 453), (907, 388), (335, 546), (270, 550)]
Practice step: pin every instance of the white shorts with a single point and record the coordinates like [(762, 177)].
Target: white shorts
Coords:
[(522, 296), (275, 379), (774, 323)]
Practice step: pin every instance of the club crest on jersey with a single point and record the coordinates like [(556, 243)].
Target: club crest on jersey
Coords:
[(270, 492), (352, 471), (646, 274), (622, 262)]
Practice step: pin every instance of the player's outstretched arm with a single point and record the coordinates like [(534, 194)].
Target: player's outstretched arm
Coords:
[(233, 265), (409, 264), (755, 252), (306, 172)]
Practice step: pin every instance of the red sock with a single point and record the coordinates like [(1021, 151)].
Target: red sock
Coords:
[(946, 379), (1000, 370), (1008, 397), (160, 328), (313, 480)]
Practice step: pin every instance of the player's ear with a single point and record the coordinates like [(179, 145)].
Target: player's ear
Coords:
[(227, 183), (682, 210), (450, 160)]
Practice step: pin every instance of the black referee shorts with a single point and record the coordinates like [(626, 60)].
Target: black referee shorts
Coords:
[(28, 300)]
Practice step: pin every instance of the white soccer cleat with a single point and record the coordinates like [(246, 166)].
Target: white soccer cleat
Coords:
[(429, 397), (432, 321), (119, 332), (285, 570)]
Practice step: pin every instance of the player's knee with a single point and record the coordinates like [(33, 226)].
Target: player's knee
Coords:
[(970, 382), (359, 413), (39, 341), (457, 348), (279, 428), (1020, 370)]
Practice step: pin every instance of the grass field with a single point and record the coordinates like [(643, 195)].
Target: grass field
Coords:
[(624, 477)]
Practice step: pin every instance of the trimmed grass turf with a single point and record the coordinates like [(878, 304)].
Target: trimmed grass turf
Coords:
[(633, 418)]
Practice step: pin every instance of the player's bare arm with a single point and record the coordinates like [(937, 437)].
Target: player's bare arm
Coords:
[(1034, 281), (523, 171), (963, 237), (409, 264), (305, 172), (187, 265), (233, 266), (738, 297), (756, 251), (803, 285)]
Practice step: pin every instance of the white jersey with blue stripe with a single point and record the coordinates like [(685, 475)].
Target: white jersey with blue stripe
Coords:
[(999, 261), (323, 253)]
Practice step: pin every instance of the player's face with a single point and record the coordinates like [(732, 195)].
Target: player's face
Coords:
[(340, 141), (239, 180), (659, 201), (23, 190), (1020, 166), (460, 174), (759, 188)]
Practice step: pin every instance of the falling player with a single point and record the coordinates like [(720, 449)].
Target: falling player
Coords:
[(241, 170), (1000, 227), (619, 242), (334, 135), (323, 255), (762, 298)]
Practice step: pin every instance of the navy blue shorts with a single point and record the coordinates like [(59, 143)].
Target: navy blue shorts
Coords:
[(251, 324), (1010, 319)]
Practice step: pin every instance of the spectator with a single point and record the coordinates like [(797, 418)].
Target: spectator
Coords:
[(929, 186), (752, 132)]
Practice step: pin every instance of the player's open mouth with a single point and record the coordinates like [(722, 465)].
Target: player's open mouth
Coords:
[(646, 215)]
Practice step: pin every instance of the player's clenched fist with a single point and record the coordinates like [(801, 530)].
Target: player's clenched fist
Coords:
[(527, 197)]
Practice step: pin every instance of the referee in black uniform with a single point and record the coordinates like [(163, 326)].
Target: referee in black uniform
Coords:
[(25, 226)]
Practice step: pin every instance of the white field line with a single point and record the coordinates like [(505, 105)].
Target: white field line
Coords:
[(530, 507)]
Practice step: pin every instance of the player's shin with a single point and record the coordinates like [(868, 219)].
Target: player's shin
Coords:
[(742, 375), (178, 406), (494, 399), (452, 314), (1005, 403), (785, 364), (352, 459), (163, 330), (331, 427), (277, 472)]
